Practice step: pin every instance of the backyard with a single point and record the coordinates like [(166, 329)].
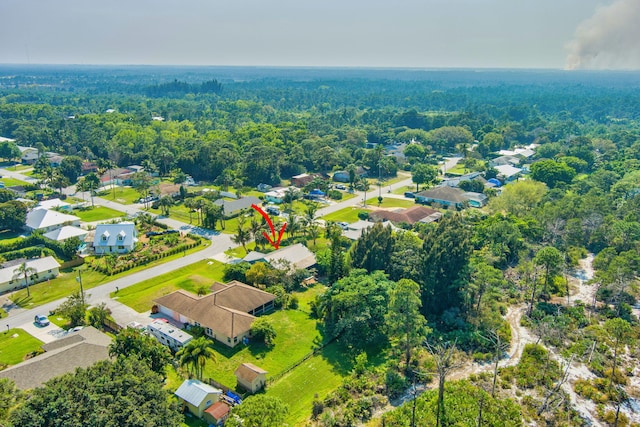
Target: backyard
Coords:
[(15, 344)]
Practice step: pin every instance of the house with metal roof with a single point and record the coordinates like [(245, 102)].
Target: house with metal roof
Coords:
[(168, 334), (66, 232), (115, 238), (226, 314), (233, 207), (197, 396), (47, 220), (45, 268), (508, 173)]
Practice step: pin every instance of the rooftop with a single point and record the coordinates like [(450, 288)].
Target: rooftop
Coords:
[(42, 218), (195, 392), (171, 331), (39, 264), (410, 215), (249, 372)]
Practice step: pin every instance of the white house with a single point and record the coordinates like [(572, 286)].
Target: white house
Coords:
[(47, 220), (66, 232), (508, 173), (45, 268), (115, 238), (28, 154), (55, 204)]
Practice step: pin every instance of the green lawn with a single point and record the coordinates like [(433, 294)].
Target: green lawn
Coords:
[(297, 334), (404, 189), (10, 182), (13, 349), (97, 213), (140, 296), (392, 202), (314, 378), (349, 215), (125, 195), (65, 284), (7, 237)]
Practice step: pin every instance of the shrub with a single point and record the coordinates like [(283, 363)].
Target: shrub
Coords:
[(363, 215)]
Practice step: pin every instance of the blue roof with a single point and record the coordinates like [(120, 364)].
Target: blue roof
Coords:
[(495, 182), (317, 192)]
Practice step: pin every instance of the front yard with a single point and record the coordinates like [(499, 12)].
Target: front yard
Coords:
[(392, 202), (140, 296), (349, 214), (14, 348), (97, 213)]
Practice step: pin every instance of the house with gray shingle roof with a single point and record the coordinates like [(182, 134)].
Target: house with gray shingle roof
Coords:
[(115, 238), (79, 349)]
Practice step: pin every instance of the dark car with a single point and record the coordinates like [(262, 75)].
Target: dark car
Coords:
[(410, 194)]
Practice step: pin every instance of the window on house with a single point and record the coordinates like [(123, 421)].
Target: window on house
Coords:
[(228, 339), (235, 339), (120, 247)]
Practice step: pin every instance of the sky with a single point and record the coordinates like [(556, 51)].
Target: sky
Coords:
[(343, 33)]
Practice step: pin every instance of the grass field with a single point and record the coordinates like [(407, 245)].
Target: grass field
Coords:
[(297, 334), (13, 350), (349, 215), (140, 296), (125, 195), (313, 379), (98, 213), (10, 182), (392, 202)]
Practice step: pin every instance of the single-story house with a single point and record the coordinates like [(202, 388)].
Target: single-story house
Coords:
[(169, 335), (115, 238), (476, 200), (508, 173), (55, 159), (79, 349), (524, 152), (251, 377), (45, 268), (343, 176), (197, 396), (217, 413), (233, 207), (226, 314), (302, 179), (355, 229), (47, 220), (275, 195), (66, 232), (455, 181), (117, 176), (409, 216), (28, 155), (505, 160), (443, 195), (55, 204), (88, 167), (297, 256)]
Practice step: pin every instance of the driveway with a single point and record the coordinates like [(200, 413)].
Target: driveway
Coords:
[(46, 334)]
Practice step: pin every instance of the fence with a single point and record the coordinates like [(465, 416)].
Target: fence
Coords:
[(299, 362), (112, 325)]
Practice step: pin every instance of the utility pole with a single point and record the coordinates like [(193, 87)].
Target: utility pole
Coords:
[(79, 279)]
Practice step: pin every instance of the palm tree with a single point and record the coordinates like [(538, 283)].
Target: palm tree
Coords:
[(256, 227), (293, 225), (309, 218), (165, 203), (25, 271), (195, 355), (243, 234)]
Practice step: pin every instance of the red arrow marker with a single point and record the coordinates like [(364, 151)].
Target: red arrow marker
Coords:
[(274, 242)]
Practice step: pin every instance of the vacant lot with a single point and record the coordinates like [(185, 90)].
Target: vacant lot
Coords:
[(98, 213), (13, 348), (124, 195), (349, 215), (10, 182), (140, 296), (392, 202)]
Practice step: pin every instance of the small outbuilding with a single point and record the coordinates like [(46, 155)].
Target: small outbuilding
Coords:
[(217, 413), (197, 396), (251, 377)]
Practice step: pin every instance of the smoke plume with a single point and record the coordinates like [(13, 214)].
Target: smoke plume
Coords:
[(610, 39)]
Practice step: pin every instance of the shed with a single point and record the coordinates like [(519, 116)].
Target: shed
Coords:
[(251, 377), (197, 396)]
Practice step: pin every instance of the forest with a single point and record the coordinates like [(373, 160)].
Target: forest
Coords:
[(441, 303)]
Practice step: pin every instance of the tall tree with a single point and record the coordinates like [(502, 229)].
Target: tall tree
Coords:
[(13, 215), (24, 271), (373, 250), (406, 325), (134, 342), (74, 308), (91, 184), (552, 260), (195, 355), (121, 393), (423, 174), (142, 182), (620, 333), (447, 251), (242, 235), (445, 359)]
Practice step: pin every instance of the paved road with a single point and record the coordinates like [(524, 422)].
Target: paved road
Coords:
[(18, 317)]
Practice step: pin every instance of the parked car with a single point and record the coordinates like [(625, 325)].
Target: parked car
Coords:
[(343, 225), (41, 320), (410, 194), (272, 210), (340, 187)]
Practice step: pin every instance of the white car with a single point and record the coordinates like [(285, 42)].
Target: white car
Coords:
[(41, 320)]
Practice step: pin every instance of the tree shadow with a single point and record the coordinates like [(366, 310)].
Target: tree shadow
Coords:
[(22, 302)]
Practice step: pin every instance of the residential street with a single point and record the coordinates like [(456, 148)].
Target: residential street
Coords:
[(219, 242)]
